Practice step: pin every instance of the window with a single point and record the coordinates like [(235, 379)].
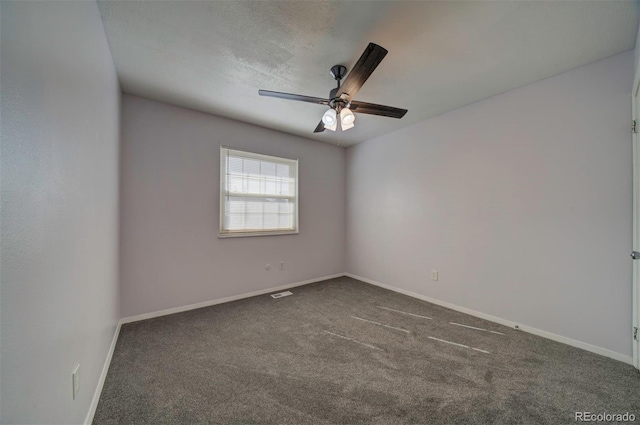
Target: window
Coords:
[(258, 194)]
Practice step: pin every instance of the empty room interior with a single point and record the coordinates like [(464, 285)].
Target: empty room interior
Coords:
[(319, 212)]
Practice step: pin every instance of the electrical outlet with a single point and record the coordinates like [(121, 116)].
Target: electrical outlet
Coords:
[(281, 265), (75, 381), (267, 267), (434, 274)]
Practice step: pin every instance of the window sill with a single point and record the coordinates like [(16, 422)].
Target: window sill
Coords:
[(249, 234)]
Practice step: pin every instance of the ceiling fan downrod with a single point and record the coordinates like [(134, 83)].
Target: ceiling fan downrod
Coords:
[(337, 72)]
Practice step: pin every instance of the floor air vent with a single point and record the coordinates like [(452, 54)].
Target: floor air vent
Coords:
[(281, 294)]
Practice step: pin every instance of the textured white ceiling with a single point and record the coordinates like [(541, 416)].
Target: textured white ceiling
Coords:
[(215, 55)]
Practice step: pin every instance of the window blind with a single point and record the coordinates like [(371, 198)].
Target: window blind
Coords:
[(258, 194)]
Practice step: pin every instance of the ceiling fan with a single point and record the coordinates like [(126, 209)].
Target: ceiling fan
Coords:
[(340, 99)]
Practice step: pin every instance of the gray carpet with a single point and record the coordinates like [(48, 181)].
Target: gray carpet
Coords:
[(310, 358)]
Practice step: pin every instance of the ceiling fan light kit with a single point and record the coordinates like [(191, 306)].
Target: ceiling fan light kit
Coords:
[(347, 119), (329, 117), (331, 127), (340, 99), (330, 120)]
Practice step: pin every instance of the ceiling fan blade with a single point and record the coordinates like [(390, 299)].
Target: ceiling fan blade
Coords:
[(361, 71), (319, 128), (298, 97), (373, 109)]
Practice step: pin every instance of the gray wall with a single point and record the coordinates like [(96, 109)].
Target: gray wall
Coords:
[(59, 204), (522, 202), (636, 51), (171, 255)]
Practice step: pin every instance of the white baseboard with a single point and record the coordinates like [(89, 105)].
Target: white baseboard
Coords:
[(103, 376), (168, 311), (559, 338)]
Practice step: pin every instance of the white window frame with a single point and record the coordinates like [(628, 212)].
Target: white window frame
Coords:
[(223, 194)]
